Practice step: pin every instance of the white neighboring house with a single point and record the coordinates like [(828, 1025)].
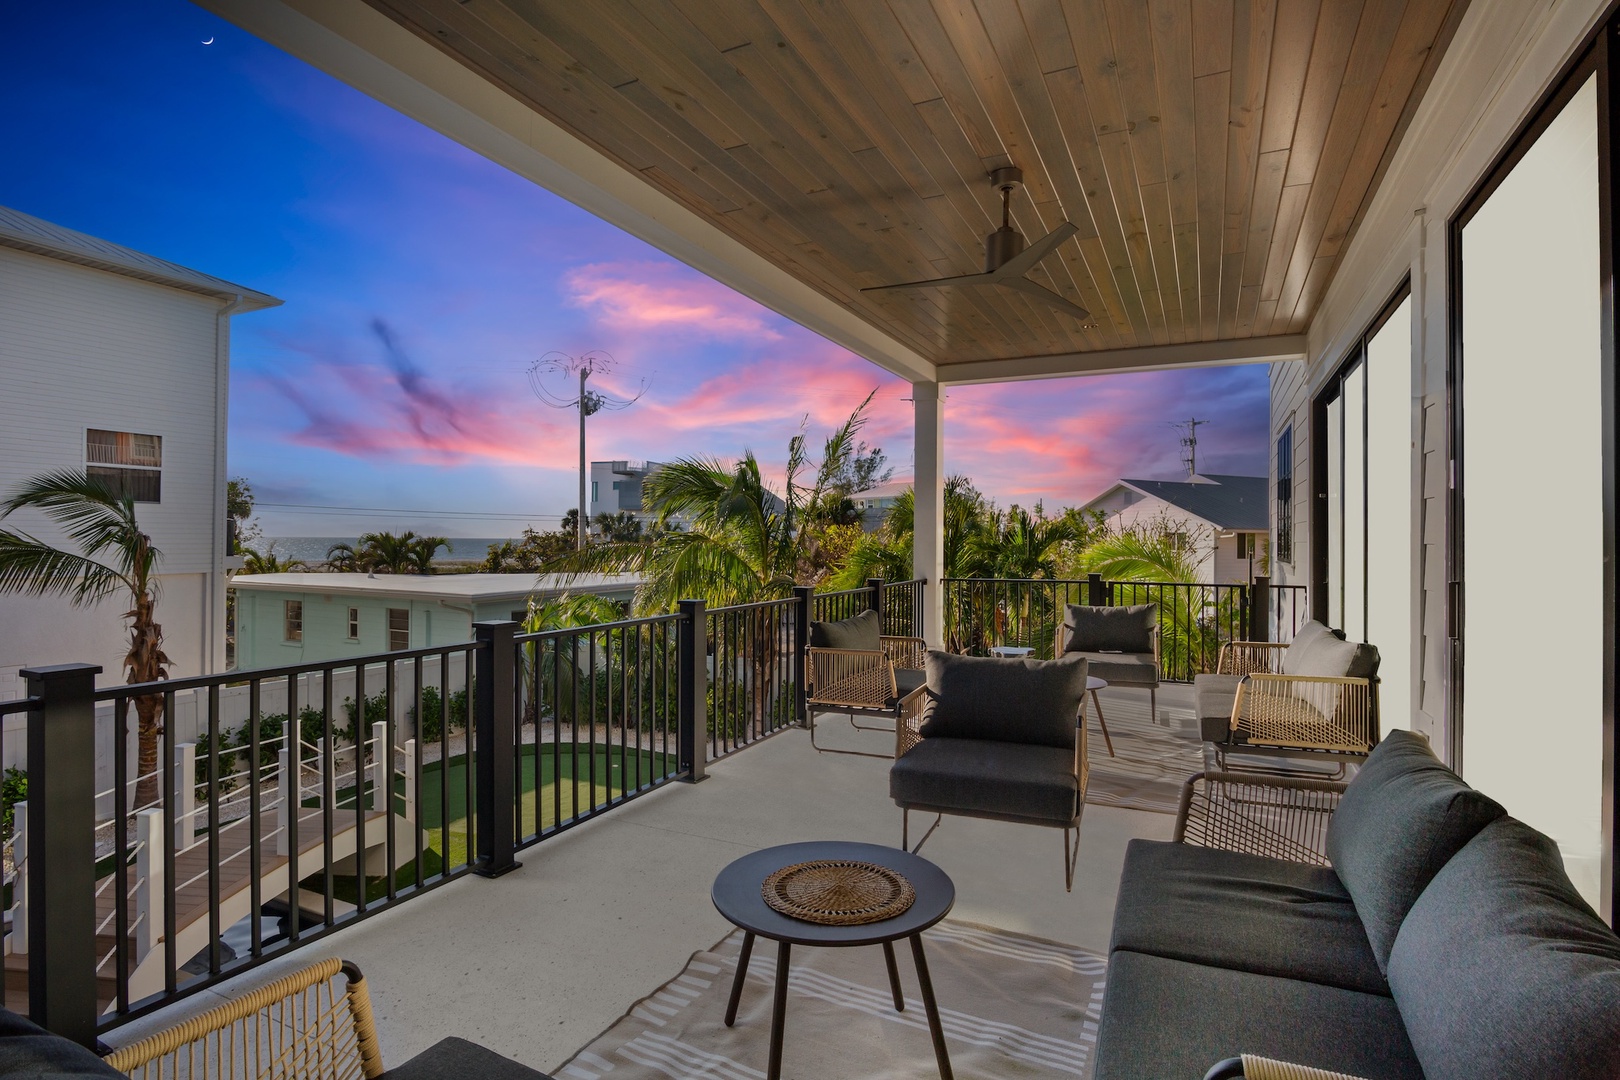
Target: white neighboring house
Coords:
[(875, 503), (1226, 518), (118, 363), (616, 486), (298, 618)]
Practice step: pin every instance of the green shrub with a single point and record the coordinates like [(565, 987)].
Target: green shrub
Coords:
[(431, 728), (228, 752), (376, 713), (13, 790)]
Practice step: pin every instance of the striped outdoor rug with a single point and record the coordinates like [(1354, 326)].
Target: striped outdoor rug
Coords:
[(1011, 1006), (1150, 761)]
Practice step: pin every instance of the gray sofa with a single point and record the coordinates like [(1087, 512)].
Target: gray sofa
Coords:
[(1445, 941), (1120, 644)]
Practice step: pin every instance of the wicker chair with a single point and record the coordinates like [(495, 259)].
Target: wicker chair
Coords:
[(853, 668), (1278, 817), (1249, 1067), (301, 1025), (1313, 698)]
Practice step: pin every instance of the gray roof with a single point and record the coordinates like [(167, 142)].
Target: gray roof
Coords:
[(28, 233), (1226, 502)]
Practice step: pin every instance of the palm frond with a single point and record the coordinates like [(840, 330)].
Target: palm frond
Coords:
[(32, 566), (1135, 556), (89, 512)]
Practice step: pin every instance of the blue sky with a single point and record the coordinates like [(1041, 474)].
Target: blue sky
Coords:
[(242, 162)]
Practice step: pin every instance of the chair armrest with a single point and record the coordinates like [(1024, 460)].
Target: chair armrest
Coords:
[(1247, 657), (1280, 817), (908, 725), (1249, 1067), (1314, 712), (862, 678), (910, 653)]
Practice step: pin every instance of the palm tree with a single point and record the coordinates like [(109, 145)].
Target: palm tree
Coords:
[(387, 553), (115, 558), (422, 550), (342, 559), (269, 562)]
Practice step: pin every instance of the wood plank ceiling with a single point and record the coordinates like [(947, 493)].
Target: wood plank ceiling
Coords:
[(1215, 155)]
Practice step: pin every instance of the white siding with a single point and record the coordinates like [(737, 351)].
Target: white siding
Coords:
[(83, 348)]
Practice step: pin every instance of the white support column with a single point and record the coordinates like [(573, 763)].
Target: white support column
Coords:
[(185, 797), (382, 766), (149, 883), (18, 941), (410, 780), (928, 543)]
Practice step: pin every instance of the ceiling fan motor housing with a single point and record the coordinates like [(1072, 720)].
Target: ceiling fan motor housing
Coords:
[(1001, 246)]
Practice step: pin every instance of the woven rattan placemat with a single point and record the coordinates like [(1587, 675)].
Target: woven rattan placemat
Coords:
[(838, 892)]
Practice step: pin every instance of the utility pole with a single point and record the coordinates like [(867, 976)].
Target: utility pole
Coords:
[(551, 368), (1189, 444)]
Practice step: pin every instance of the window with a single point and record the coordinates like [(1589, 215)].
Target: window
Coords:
[(130, 464), (594, 496), (354, 624), (292, 620), (1285, 495), (1244, 545), (399, 629)]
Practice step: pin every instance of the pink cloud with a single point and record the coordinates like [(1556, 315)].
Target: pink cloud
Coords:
[(666, 297)]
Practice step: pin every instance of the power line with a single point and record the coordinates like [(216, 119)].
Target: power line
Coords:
[(323, 508)]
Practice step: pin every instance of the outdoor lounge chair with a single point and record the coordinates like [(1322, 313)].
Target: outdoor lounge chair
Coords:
[(1121, 644), (1313, 698), (853, 668), (993, 738)]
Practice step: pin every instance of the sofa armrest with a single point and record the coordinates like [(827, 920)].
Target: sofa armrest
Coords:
[(1279, 817), (1249, 1067), (908, 725), (1246, 657), (1310, 712), (910, 653)]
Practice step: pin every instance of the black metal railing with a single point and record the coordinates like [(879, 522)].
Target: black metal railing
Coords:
[(1195, 620), (282, 805)]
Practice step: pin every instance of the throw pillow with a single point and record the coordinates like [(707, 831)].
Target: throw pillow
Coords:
[(1018, 701), (1400, 820), (1109, 629), (863, 632)]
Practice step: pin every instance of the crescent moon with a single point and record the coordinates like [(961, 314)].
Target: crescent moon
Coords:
[(210, 41)]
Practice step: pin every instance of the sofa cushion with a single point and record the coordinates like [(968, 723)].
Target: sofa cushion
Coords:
[(863, 631), (1400, 820), (1109, 629), (1245, 912), (1299, 648), (1216, 695), (457, 1059), (1501, 969), (1003, 700), (28, 1050), (994, 779), (1166, 1019), (1121, 669)]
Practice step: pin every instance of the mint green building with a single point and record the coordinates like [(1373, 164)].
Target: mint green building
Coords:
[(302, 618)]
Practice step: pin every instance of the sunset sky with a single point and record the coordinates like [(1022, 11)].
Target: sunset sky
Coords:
[(239, 161)]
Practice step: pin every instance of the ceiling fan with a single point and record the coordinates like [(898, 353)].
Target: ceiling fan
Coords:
[(1006, 259)]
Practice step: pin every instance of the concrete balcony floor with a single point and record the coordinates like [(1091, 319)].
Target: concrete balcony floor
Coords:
[(536, 963)]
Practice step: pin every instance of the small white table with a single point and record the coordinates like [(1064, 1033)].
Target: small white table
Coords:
[(1011, 652)]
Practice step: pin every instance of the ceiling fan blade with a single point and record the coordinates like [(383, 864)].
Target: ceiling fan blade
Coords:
[(1047, 296), (1025, 261), (960, 279)]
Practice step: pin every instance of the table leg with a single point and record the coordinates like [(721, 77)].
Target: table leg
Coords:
[(779, 1011), (894, 976), (1102, 723), (930, 1008), (742, 973)]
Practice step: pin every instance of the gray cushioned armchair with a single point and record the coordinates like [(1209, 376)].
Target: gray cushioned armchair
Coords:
[(1121, 644), (993, 738)]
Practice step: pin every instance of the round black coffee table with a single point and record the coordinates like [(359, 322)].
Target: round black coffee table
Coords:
[(737, 896)]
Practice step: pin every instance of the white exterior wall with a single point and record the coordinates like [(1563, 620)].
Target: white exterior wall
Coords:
[(1150, 510), (1505, 56), (83, 348)]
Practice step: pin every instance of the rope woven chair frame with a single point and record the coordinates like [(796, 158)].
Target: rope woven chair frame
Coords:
[(1296, 715), (299, 1026), (859, 682), (1275, 816), (1250, 1067)]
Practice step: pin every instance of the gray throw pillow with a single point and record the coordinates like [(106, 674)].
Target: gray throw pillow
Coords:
[(1501, 969), (863, 631), (1109, 629), (1400, 820), (1019, 701)]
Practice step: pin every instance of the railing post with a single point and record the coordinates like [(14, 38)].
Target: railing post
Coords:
[(494, 736), (1096, 592), (382, 766), (19, 884), (692, 688), (875, 585), (148, 881), (1260, 609), (185, 798), (62, 847), (805, 598)]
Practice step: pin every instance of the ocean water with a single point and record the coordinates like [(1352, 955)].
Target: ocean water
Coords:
[(313, 549)]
